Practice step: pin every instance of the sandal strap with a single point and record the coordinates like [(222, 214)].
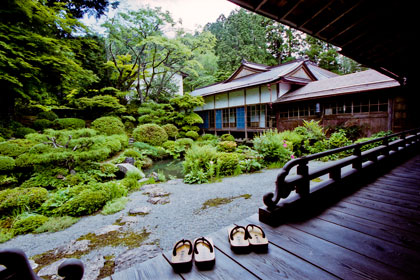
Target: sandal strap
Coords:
[(204, 240), (235, 229), (183, 241), (252, 225)]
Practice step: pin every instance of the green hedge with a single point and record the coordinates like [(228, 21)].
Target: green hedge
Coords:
[(150, 133), (69, 123), (108, 125), (6, 163)]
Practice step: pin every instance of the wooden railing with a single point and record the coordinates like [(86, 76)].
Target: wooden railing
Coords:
[(359, 160)]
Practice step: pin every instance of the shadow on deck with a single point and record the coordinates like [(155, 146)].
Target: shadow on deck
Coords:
[(372, 231)]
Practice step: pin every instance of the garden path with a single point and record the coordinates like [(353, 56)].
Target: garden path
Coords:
[(179, 212)]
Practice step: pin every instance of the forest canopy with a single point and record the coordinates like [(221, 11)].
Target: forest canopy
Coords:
[(49, 60)]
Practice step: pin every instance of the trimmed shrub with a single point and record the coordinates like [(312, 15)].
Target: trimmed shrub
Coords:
[(21, 198), (272, 147), (22, 131), (228, 164), (206, 137), (226, 146), (69, 123), (85, 203), (171, 130), (150, 133), (28, 223), (227, 137), (41, 124), (199, 157), (192, 134), (48, 115), (11, 149), (6, 163), (108, 125)]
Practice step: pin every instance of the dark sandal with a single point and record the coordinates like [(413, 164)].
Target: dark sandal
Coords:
[(204, 255), (238, 239), (256, 237), (182, 256)]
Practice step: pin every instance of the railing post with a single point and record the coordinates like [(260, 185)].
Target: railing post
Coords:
[(386, 144), (357, 164), (303, 187)]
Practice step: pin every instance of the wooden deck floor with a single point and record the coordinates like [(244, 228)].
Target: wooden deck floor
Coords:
[(372, 234)]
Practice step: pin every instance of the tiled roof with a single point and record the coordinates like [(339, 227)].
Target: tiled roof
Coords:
[(356, 82)]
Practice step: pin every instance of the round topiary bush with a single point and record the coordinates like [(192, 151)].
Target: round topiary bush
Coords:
[(192, 134), (41, 124), (6, 163), (150, 133), (171, 130), (108, 125), (227, 137), (69, 123), (21, 199), (28, 223), (85, 203), (227, 163), (226, 146), (49, 115), (22, 131)]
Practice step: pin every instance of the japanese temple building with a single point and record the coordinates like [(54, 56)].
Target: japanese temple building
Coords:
[(258, 97)]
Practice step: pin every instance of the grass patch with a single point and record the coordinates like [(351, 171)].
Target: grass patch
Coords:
[(108, 268), (54, 224), (215, 202), (114, 206), (5, 235)]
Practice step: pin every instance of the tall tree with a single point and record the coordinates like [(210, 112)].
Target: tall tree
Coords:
[(35, 64)]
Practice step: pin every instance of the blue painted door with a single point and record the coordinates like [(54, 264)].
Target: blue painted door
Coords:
[(240, 118), (205, 117), (219, 119)]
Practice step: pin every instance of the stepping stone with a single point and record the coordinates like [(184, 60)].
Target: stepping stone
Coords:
[(158, 200), (107, 229), (140, 211)]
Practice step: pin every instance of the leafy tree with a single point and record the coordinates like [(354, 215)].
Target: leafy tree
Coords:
[(35, 64), (80, 7)]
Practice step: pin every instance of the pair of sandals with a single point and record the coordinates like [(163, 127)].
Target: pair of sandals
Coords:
[(202, 252), (243, 239)]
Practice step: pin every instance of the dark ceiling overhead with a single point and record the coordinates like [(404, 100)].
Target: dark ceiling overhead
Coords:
[(378, 34)]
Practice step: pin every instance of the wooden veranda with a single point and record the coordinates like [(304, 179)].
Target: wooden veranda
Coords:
[(368, 229)]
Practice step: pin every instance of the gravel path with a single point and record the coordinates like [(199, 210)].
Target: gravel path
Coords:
[(181, 217)]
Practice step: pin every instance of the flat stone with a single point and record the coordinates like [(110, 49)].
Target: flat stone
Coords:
[(174, 182), (93, 267), (148, 187), (135, 256), (158, 200), (140, 210), (143, 180), (129, 220), (157, 192), (107, 229), (73, 246), (50, 271)]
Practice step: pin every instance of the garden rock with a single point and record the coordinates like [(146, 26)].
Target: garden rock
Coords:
[(129, 160), (107, 229), (72, 247), (50, 271), (158, 200), (157, 192), (126, 167), (135, 256), (143, 180), (93, 267), (139, 211), (174, 182), (128, 220)]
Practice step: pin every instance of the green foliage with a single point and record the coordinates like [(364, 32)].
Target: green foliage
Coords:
[(87, 202), (171, 130), (28, 223), (22, 131), (227, 137), (272, 147), (54, 224), (150, 133), (198, 157), (100, 105), (226, 146), (374, 136), (228, 164), (48, 115), (196, 177), (206, 137), (311, 130), (249, 165), (150, 151), (41, 124), (6, 164), (192, 134), (114, 206), (21, 199), (108, 125), (13, 148), (69, 123)]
